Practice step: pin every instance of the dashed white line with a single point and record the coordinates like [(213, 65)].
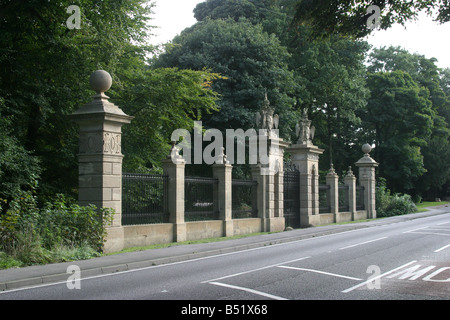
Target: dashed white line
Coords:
[(361, 243)]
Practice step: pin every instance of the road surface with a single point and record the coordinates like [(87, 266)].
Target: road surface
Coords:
[(406, 260)]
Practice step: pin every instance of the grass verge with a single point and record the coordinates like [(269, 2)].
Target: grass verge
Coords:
[(423, 206), (174, 244)]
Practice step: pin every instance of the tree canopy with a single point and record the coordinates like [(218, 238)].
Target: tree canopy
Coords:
[(44, 77), (251, 61), (304, 54), (350, 18)]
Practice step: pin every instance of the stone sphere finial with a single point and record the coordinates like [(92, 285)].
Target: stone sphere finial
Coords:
[(366, 148), (100, 81)]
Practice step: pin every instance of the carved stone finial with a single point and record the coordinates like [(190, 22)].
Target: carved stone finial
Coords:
[(350, 172), (265, 118), (305, 132), (222, 157), (332, 169), (100, 81), (366, 148)]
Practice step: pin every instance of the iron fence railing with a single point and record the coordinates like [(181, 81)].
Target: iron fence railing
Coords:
[(343, 191), (244, 197), (291, 198), (144, 199), (200, 199), (324, 199), (360, 198)]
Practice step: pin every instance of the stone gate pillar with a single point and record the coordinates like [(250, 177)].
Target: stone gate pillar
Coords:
[(305, 157), (367, 179), (332, 180), (174, 168), (222, 171), (268, 171), (350, 181), (100, 155)]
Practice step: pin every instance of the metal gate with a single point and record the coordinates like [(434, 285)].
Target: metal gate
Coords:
[(291, 187)]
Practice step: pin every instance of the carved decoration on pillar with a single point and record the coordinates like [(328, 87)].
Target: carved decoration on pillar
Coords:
[(305, 132), (265, 118)]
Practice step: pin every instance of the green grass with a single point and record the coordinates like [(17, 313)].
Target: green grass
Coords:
[(422, 207), (173, 244)]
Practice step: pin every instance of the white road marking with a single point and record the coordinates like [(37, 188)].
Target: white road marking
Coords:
[(444, 247), (260, 293), (409, 231), (321, 272), (377, 277), (428, 230), (253, 270), (361, 243)]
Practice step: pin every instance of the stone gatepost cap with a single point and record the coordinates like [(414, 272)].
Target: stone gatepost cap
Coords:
[(100, 81), (366, 148), (366, 160)]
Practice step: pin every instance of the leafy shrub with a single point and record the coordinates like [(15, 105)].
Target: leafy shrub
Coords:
[(66, 223), (59, 231), (392, 205)]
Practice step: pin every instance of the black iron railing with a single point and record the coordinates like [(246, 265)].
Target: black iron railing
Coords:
[(244, 195), (200, 199), (343, 198), (144, 199), (291, 198), (360, 198), (324, 199)]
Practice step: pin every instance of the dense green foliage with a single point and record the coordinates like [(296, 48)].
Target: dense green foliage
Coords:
[(398, 101), (44, 77), (251, 60), (350, 17), (389, 204), (59, 231)]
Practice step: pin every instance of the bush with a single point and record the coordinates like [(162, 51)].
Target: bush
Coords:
[(60, 231), (64, 223), (392, 205)]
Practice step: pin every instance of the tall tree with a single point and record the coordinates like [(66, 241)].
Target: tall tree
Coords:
[(332, 72), (251, 61), (350, 17), (161, 100), (399, 114), (429, 78)]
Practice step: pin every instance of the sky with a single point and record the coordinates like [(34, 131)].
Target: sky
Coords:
[(424, 36)]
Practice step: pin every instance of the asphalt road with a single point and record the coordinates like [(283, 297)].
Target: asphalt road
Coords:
[(400, 261)]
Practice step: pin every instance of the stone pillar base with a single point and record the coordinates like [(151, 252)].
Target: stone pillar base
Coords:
[(114, 240), (309, 221), (179, 232), (275, 224), (228, 228)]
